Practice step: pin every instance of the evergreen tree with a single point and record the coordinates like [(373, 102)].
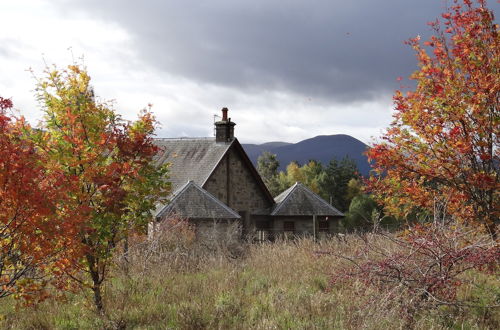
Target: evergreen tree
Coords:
[(334, 183), (267, 166)]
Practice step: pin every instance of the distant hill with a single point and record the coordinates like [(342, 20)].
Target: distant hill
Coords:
[(257, 149), (322, 148)]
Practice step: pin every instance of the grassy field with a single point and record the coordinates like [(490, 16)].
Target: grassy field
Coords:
[(285, 285)]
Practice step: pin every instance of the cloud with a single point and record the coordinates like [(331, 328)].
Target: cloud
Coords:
[(340, 51), (287, 70), (33, 33)]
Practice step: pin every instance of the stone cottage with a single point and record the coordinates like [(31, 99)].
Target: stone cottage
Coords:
[(214, 181)]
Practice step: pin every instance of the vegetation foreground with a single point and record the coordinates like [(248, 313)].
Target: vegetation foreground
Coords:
[(178, 283)]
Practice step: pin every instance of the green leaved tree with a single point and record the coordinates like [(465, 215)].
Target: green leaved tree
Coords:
[(109, 161)]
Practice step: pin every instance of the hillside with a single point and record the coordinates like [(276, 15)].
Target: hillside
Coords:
[(322, 148)]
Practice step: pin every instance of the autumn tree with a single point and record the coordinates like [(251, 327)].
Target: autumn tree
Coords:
[(309, 174), (110, 162), (441, 153), (354, 188), (33, 230), (313, 173), (291, 175)]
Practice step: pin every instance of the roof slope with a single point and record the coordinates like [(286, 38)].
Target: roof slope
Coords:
[(191, 159), (192, 201), (299, 200)]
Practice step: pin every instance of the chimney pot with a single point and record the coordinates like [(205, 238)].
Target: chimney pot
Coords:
[(224, 114), (224, 129)]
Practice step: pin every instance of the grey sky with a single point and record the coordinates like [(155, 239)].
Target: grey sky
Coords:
[(287, 70), (337, 50)]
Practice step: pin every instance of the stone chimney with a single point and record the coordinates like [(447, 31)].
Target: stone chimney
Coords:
[(224, 129)]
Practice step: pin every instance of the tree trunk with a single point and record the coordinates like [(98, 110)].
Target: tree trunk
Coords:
[(98, 298), (96, 283), (126, 262)]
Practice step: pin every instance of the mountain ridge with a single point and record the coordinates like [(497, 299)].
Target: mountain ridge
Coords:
[(322, 148)]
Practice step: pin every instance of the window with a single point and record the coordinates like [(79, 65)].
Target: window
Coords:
[(323, 225), (262, 225), (289, 226)]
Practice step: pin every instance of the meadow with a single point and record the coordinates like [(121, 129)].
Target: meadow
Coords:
[(177, 282)]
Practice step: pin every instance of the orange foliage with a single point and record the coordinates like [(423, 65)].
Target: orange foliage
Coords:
[(443, 145), (34, 241)]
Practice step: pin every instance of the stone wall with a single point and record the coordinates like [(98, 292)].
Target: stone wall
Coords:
[(303, 225), (233, 183)]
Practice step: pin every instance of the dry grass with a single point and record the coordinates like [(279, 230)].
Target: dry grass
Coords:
[(284, 285)]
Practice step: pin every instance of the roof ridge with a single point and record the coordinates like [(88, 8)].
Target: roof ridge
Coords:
[(321, 200), (189, 183), (286, 191), (228, 146), (219, 202), (290, 189), (176, 195)]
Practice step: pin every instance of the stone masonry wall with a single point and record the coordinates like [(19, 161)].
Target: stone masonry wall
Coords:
[(304, 225), (233, 183)]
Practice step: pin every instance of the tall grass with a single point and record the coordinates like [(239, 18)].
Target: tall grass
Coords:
[(281, 285)]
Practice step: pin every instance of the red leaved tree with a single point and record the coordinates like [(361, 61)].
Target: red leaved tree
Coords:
[(442, 150), (33, 230)]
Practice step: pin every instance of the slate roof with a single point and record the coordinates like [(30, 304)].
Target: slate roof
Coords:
[(191, 159), (192, 201), (299, 200)]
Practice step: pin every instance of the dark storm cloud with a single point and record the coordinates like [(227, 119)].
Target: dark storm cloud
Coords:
[(335, 50)]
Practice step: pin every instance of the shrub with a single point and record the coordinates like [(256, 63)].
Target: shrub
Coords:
[(428, 263)]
